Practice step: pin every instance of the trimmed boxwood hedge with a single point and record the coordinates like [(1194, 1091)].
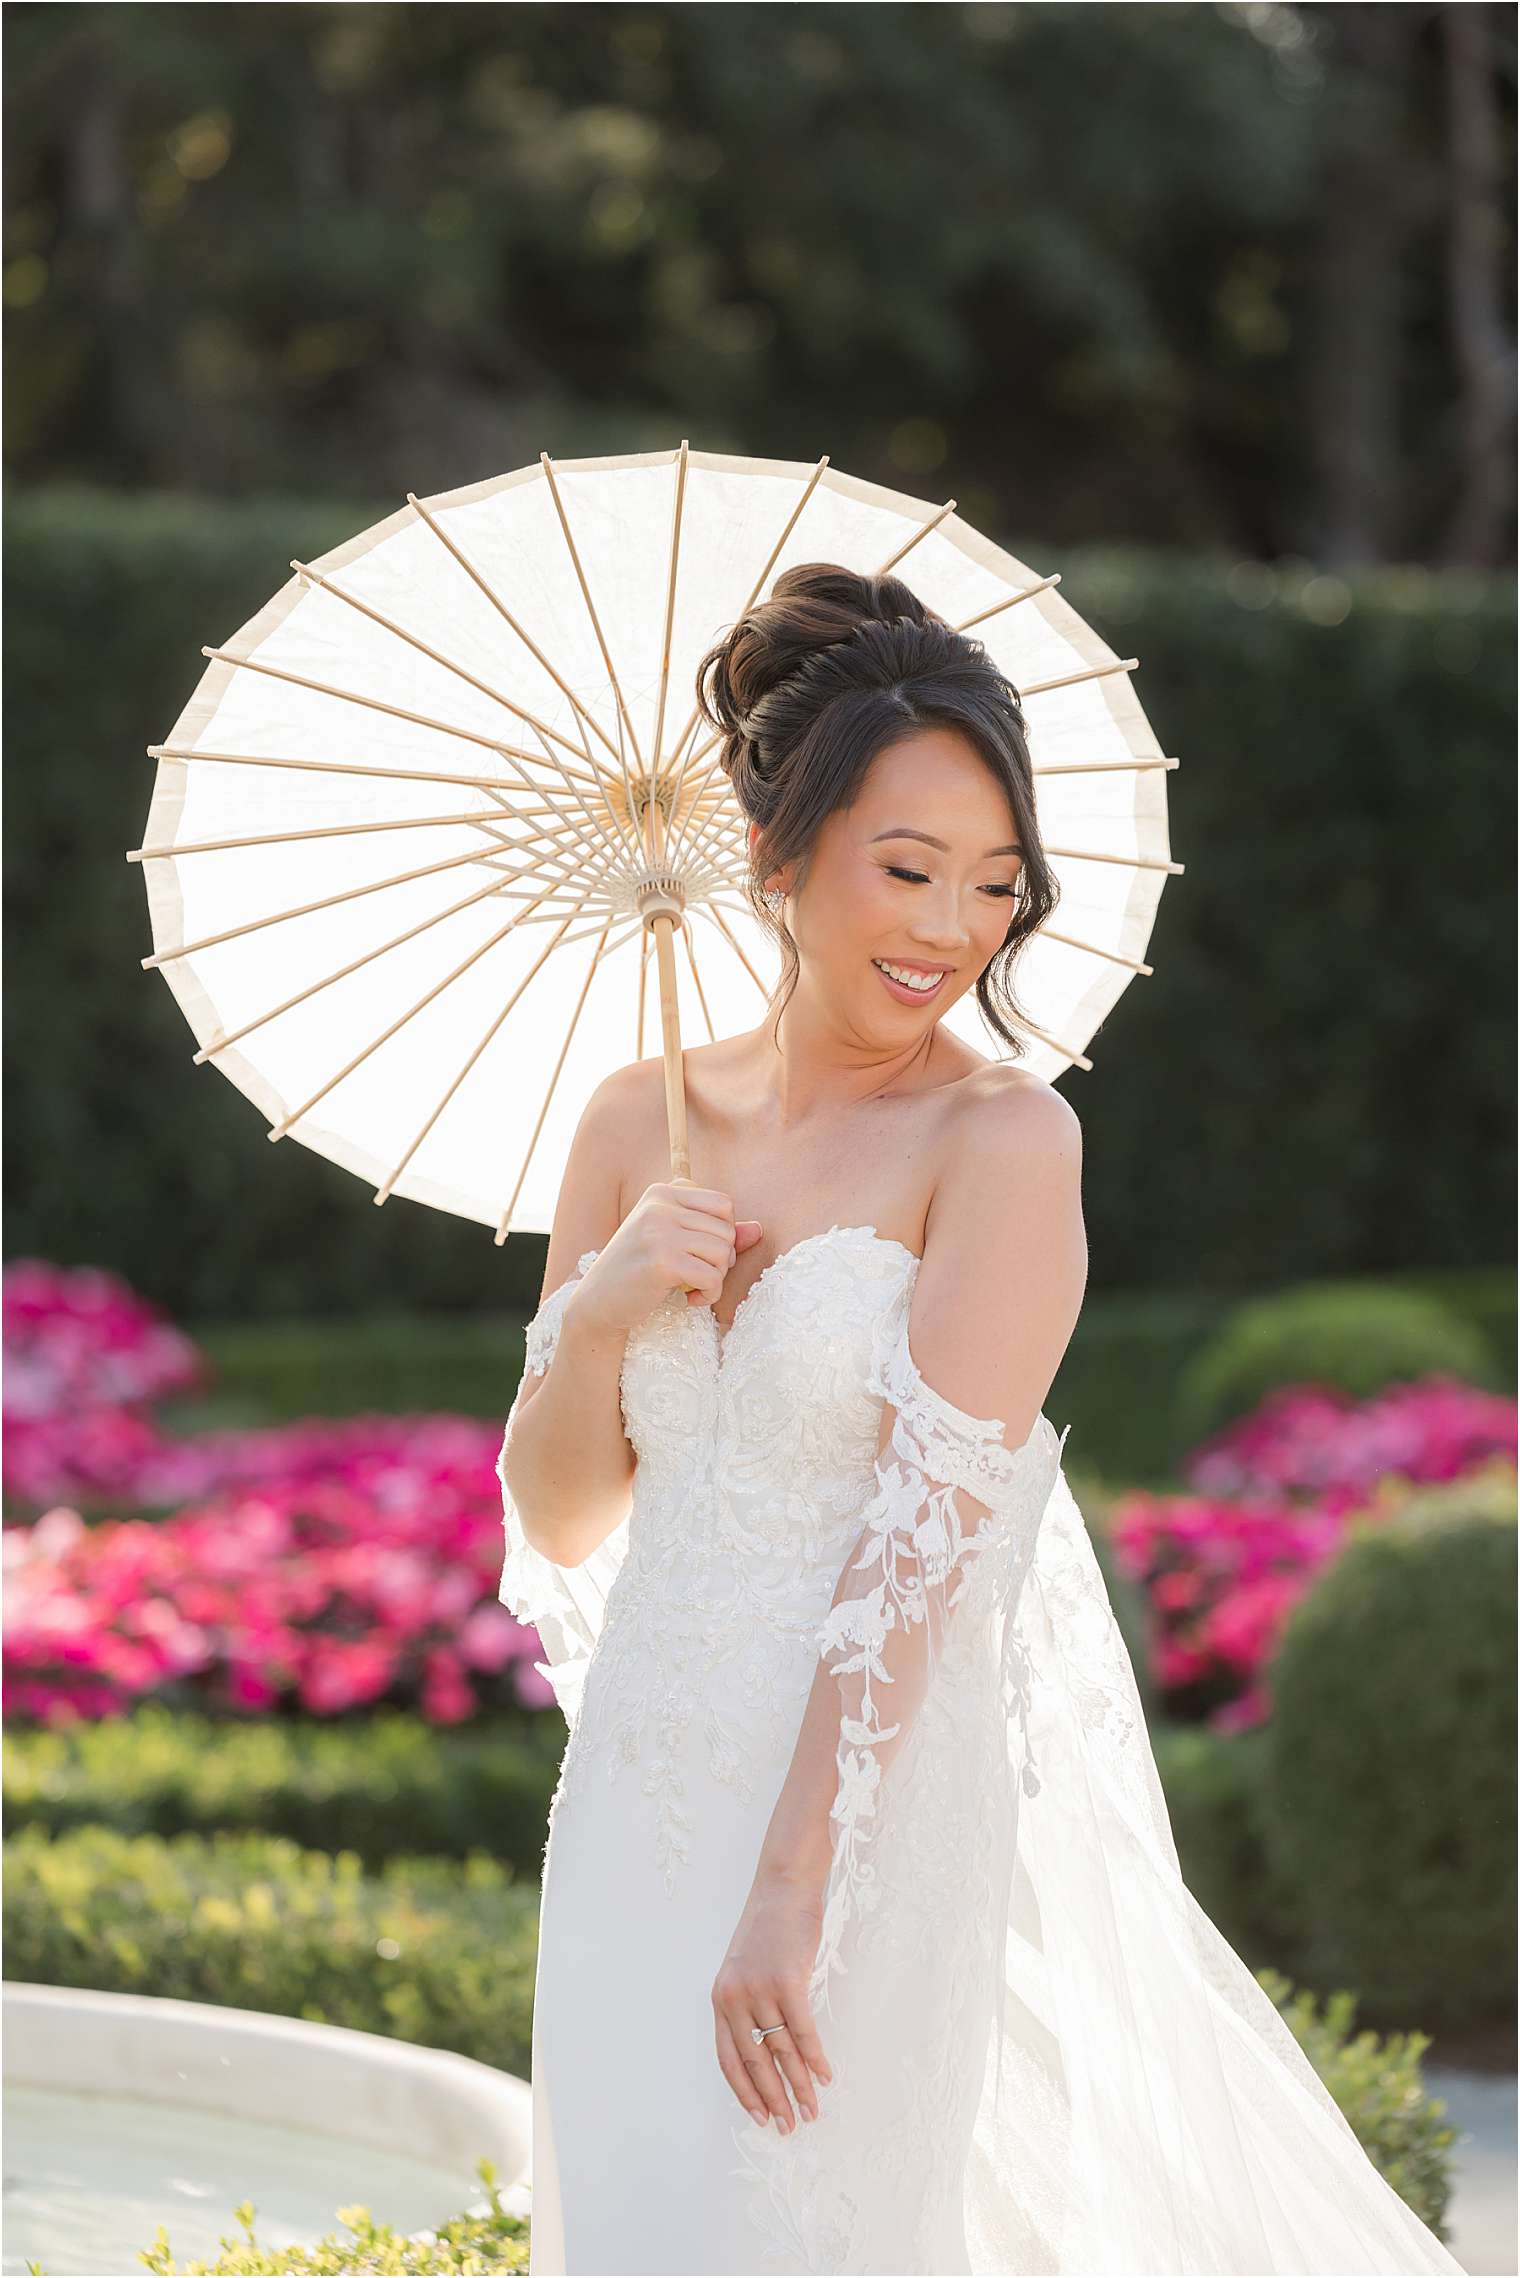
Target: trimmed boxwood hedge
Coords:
[(1118, 1386), (1213, 1783), (437, 1951), (1389, 1763), (393, 1784), (1356, 1336), (378, 1785)]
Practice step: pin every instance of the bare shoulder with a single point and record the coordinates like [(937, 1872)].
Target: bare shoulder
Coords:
[(637, 1089), (1005, 1116), (1005, 1255), (613, 1129), (1010, 1176)]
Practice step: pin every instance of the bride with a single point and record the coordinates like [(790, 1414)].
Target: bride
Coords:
[(863, 1945)]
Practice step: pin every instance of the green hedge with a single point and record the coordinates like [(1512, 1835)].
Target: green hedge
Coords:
[(435, 1951), (393, 1785), (1213, 1784), (1389, 1767), (1364, 1834), (1343, 1333), (1250, 1113), (445, 1955), (376, 1786), (1118, 1386)]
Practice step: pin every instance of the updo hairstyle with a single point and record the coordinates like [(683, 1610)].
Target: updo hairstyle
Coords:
[(809, 686)]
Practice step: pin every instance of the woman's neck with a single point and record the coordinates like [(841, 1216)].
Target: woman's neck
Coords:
[(807, 1064)]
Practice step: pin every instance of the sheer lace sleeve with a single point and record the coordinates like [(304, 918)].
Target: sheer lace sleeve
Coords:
[(946, 1536), (565, 1604)]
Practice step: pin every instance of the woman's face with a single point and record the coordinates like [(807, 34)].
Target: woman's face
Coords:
[(918, 875)]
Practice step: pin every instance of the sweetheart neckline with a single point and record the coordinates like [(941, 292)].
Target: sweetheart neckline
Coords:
[(723, 1335), (1041, 1432)]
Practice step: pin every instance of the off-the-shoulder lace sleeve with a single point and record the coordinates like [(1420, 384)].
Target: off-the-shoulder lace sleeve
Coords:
[(950, 1524), (565, 1604)]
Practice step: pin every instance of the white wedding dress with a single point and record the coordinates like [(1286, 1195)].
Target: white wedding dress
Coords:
[(1046, 2059)]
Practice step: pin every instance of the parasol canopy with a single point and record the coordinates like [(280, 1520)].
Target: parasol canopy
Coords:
[(441, 838)]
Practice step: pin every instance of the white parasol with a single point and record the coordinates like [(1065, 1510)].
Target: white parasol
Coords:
[(429, 814)]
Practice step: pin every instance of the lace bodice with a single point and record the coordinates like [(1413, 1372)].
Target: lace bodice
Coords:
[(756, 1446)]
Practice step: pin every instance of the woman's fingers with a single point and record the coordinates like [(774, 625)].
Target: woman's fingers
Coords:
[(715, 1247), (760, 2064), (784, 2060), (733, 2070), (788, 2060), (798, 2012)]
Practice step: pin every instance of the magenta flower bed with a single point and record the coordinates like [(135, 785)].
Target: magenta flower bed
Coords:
[(318, 1566), (1273, 1498), (324, 1566), (85, 1359)]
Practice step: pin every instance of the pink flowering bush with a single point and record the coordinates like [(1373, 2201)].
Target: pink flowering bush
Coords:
[(1273, 1497), (84, 1358), (1311, 1439), (362, 1567), (318, 1566)]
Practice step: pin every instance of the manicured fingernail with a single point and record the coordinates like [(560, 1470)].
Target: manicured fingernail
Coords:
[(758, 2118)]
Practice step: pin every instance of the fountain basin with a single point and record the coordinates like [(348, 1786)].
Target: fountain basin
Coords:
[(123, 2111)]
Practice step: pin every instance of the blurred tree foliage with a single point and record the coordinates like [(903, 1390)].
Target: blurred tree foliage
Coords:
[(1235, 275)]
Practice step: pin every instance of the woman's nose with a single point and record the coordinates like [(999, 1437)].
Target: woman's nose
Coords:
[(943, 928)]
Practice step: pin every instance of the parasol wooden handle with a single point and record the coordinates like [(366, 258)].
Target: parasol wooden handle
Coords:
[(670, 1041)]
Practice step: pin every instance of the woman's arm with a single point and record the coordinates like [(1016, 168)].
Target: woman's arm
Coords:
[(567, 1464), (995, 1300), (997, 1297)]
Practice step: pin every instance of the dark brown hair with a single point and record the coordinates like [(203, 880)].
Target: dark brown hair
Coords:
[(812, 684)]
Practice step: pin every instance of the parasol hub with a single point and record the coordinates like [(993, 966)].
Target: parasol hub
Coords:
[(660, 893)]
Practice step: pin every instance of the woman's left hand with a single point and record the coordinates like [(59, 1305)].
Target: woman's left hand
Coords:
[(764, 1981)]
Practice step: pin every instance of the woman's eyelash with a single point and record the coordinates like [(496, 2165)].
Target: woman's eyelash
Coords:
[(920, 878)]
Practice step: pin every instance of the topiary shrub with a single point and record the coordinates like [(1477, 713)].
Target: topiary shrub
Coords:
[(1213, 1781), (1389, 1768), (1341, 1333)]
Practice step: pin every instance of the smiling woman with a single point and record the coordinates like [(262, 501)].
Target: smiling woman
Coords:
[(840, 680), (863, 1942)]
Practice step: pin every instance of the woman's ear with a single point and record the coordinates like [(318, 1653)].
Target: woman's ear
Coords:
[(777, 884)]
